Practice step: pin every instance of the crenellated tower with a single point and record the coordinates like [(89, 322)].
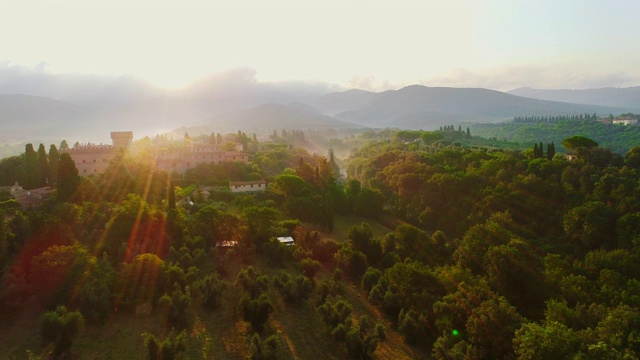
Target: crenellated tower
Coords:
[(122, 139)]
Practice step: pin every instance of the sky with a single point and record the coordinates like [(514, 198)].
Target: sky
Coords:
[(372, 45)]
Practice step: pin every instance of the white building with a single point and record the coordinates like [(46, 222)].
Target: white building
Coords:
[(247, 186), (625, 121), (287, 240)]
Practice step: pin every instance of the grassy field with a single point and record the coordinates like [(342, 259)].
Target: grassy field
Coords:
[(341, 225)]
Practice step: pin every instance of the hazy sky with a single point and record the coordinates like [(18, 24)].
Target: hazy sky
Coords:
[(368, 44)]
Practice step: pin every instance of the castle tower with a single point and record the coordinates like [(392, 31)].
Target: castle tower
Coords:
[(187, 141), (122, 138)]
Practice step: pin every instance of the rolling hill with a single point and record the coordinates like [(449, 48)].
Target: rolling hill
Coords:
[(337, 102), (416, 107), (87, 108), (18, 111), (230, 104), (268, 117)]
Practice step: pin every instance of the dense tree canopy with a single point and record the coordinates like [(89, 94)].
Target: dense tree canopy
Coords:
[(464, 252)]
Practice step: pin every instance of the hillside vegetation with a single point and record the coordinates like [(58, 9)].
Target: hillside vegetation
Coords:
[(426, 249), (618, 138)]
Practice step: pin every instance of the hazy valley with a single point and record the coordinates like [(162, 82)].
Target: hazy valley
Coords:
[(88, 111)]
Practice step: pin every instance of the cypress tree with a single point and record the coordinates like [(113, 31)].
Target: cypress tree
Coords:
[(31, 167), (172, 196), (68, 179), (219, 139), (541, 150), (212, 138), (468, 134), (43, 165), (334, 167), (535, 151), (244, 140), (54, 157), (551, 151)]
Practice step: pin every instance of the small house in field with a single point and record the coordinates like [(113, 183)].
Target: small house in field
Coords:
[(247, 186), (226, 244), (287, 240)]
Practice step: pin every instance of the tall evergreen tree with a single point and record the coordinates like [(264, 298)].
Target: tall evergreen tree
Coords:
[(54, 157), (43, 165), (31, 167), (334, 167), (244, 140), (468, 134), (535, 151), (212, 138), (64, 145), (551, 151), (541, 150), (219, 139), (172, 195), (68, 178)]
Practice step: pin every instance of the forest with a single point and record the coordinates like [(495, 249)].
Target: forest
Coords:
[(527, 130), (418, 245)]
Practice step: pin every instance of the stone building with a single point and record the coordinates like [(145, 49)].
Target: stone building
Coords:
[(194, 154), (94, 159)]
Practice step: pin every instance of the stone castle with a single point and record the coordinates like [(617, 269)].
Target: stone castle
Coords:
[(94, 159)]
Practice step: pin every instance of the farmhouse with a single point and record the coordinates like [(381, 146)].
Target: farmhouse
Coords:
[(30, 198)]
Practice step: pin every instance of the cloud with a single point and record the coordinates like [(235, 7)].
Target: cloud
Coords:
[(372, 83), (237, 86), (563, 76), (554, 76), (39, 81)]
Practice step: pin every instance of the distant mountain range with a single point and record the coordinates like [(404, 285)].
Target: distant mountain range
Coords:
[(86, 110), (416, 106), (268, 117), (619, 97), (25, 117)]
